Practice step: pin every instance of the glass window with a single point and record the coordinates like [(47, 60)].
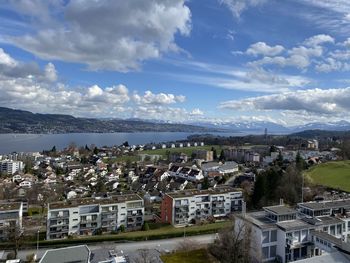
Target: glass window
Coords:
[(296, 236), (333, 230), (273, 251), (338, 229), (273, 236), (304, 235), (265, 252), (265, 237)]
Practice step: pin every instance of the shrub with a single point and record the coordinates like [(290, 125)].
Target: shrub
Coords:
[(145, 227), (122, 228), (11, 255)]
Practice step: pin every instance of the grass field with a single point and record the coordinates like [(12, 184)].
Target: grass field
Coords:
[(186, 150), (194, 256), (332, 174)]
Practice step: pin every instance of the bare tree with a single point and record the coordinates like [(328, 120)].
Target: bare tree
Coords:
[(14, 234), (187, 245), (234, 245), (143, 256)]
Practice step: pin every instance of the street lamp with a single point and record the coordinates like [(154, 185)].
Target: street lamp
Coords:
[(37, 243)]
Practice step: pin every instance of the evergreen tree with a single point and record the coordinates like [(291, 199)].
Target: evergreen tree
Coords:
[(205, 184), (215, 156), (222, 156)]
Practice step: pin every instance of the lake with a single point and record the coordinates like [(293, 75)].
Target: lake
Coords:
[(38, 142)]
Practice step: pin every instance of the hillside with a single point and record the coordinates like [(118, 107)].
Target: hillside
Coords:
[(19, 121)]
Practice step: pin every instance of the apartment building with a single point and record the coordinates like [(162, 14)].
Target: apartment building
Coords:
[(207, 156), (10, 167), (10, 216), (285, 234), (187, 206), (88, 215)]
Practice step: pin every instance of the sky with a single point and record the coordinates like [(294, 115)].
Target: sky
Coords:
[(217, 61)]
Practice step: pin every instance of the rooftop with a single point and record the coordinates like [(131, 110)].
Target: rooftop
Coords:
[(259, 219), (326, 204), (76, 254), (211, 191), (9, 206), (101, 201), (279, 210), (295, 224)]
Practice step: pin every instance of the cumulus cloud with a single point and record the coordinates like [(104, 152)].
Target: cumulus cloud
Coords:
[(157, 99), (318, 39), (238, 6), (316, 101), (107, 35), (261, 48)]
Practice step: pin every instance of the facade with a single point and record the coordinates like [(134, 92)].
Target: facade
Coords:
[(207, 156), (10, 167), (10, 216), (284, 234), (241, 155), (185, 207), (88, 215)]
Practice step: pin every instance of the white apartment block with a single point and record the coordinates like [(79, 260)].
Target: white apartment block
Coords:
[(285, 234), (10, 216), (86, 216), (185, 207), (10, 167)]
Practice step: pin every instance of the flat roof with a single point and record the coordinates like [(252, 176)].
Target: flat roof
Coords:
[(258, 219), (295, 224), (211, 191), (327, 237), (326, 204), (98, 201), (279, 210), (10, 206), (76, 254)]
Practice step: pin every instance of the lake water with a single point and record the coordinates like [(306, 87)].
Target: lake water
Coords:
[(38, 142)]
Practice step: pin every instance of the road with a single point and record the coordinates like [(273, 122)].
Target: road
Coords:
[(133, 247)]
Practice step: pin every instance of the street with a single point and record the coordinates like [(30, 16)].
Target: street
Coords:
[(131, 248)]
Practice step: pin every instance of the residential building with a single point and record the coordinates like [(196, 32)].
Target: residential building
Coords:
[(10, 167), (187, 173), (10, 216), (207, 156), (285, 234), (88, 215), (221, 168), (187, 206)]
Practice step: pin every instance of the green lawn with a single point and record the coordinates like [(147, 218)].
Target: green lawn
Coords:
[(186, 150), (332, 174), (194, 256)]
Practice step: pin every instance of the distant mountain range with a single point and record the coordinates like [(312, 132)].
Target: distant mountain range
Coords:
[(274, 128), (19, 121)]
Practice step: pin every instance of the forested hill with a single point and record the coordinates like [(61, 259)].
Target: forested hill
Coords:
[(19, 121)]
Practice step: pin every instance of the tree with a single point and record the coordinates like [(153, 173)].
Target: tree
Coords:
[(215, 156), (145, 227), (234, 245), (143, 256), (95, 150), (205, 184), (290, 186), (53, 150), (259, 191), (126, 144), (14, 235), (222, 156)]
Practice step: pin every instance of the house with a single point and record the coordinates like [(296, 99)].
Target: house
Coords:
[(221, 168), (185, 207), (207, 156), (187, 173)]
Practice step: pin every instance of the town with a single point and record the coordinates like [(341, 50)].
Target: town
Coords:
[(77, 194)]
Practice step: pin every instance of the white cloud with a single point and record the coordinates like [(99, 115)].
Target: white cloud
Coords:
[(196, 112), (316, 101), (261, 48), (318, 39), (157, 99), (50, 72), (112, 35), (6, 59), (238, 6)]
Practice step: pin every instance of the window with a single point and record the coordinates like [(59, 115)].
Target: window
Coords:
[(273, 236), (265, 236), (303, 235), (296, 236), (273, 251), (265, 252), (333, 230), (339, 229)]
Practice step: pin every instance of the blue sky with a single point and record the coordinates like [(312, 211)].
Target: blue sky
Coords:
[(181, 61)]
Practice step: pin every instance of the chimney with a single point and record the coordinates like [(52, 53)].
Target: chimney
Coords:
[(281, 201), (244, 208)]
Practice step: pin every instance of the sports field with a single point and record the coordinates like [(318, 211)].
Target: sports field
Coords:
[(332, 174)]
